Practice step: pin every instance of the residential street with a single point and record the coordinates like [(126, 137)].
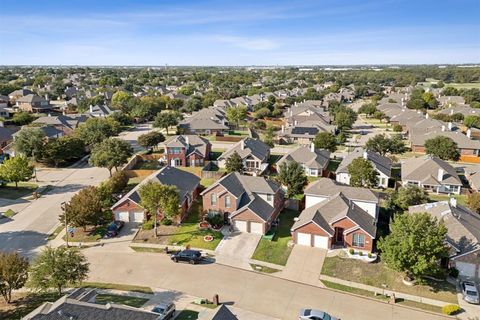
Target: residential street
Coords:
[(249, 290)]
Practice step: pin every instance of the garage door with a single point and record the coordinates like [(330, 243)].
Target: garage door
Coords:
[(122, 216), (240, 225), (136, 216), (305, 239), (256, 228), (466, 269), (320, 242)]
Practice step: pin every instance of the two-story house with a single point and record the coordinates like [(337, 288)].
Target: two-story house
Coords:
[(337, 216), (32, 103), (129, 207), (381, 164), (187, 151), (64, 123), (254, 153), (251, 204)]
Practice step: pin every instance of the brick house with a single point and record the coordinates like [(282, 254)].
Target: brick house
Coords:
[(251, 204), (129, 209), (187, 151), (337, 216), (32, 103), (254, 154)]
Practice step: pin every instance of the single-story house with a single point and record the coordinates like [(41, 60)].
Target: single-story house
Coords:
[(314, 161), (251, 204), (129, 207)]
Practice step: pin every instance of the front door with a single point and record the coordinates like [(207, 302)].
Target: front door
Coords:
[(339, 235)]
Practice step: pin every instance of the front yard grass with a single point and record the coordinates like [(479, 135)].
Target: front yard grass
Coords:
[(461, 199), (80, 235), (277, 250), (116, 286), (8, 214), (9, 191), (189, 234), (118, 299), (378, 275), (23, 303), (187, 315)]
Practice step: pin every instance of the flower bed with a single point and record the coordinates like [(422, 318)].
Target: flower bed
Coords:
[(203, 225), (359, 255), (208, 238)]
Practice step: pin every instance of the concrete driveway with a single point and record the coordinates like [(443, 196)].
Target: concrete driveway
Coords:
[(304, 265), (236, 249)]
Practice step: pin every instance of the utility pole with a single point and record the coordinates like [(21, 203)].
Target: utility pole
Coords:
[(63, 204)]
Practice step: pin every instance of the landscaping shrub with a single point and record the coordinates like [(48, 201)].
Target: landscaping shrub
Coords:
[(351, 251), (167, 222), (397, 128), (450, 309), (369, 255), (453, 272), (360, 253), (148, 225), (215, 219)]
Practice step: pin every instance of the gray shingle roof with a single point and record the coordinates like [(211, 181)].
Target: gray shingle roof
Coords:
[(195, 143), (379, 162), (327, 188), (303, 155), (220, 313), (463, 142), (426, 169), (253, 147)]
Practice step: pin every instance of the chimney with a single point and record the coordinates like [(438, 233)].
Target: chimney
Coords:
[(450, 125), (283, 128), (63, 112), (291, 112), (440, 175), (469, 133), (453, 202), (91, 109), (451, 112), (312, 147), (443, 128), (426, 115), (49, 115), (187, 141), (365, 155), (242, 144), (295, 122), (46, 97), (295, 103)]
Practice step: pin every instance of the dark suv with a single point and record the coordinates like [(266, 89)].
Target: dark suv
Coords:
[(191, 256)]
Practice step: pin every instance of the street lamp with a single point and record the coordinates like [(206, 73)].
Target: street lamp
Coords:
[(63, 206)]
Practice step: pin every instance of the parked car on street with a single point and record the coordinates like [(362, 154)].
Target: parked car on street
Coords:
[(190, 256), (470, 292), (166, 310), (312, 314)]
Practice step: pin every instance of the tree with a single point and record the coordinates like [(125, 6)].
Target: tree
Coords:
[(237, 114), (409, 195), (382, 144), (262, 113), (156, 197), (471, 121), (151, 139), (111, 153), (84, 209), (96, 130), (16, 169), (430, 100), (120, 100), (63, 149), (22, 118), (443, 147), (325, 140), (362, 173), (396, 146), (234, 163), (30, 142), (415, 244), (165, 120), (268, 136), (57, 268), (473, 201), (368, 109), (107, 189), (13, 273), (292, 175)]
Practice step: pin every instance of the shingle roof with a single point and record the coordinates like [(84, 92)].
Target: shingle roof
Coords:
[(463, 142), (426, 168), (253, 147), (220, 313), (195, 143), (327, 188), (379, 162), (303, 155), (31, 98), (5, 134)]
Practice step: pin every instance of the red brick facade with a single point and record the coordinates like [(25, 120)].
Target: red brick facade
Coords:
[(193, 160)]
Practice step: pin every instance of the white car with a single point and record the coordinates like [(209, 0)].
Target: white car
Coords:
[(470, 292), (312, 314), (166, 310)]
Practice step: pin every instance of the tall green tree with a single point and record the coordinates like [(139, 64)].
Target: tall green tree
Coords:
[(16, 169), (292, 175), (13, 273), (156, 198), (362, 173), (30, 142), (325, 140), (111, 153), (382, 144), (63, 149), (237, 115), (151, 139), (404, 197), (22, 118), (166, 120), (443, 147), (234, 163), (84, 209), (471, 121), (96, 130), (120, 100), (415, 244), (473, 201), (56, 268), (268, 136)]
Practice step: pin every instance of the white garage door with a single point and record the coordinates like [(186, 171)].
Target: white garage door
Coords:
[(122, 216), (305, 239), (240, 225), (136, 216), (320, 242), (256, 228), (466, 269)]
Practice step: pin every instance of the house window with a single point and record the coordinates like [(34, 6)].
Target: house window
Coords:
[(269, 197), (358, 240), (213, 199), (227, 202)]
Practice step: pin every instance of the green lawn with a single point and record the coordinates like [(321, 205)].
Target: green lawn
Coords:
[(378, 275), (461, 199), (126, 300), (116, 286), (207, 182), (189, 234), (187, 315), (148, 249), (8, 214), (79, 235), (9, 191), (277, 251), (263, 269)]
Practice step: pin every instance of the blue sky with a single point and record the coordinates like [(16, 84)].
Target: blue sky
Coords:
[(295, 32)]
